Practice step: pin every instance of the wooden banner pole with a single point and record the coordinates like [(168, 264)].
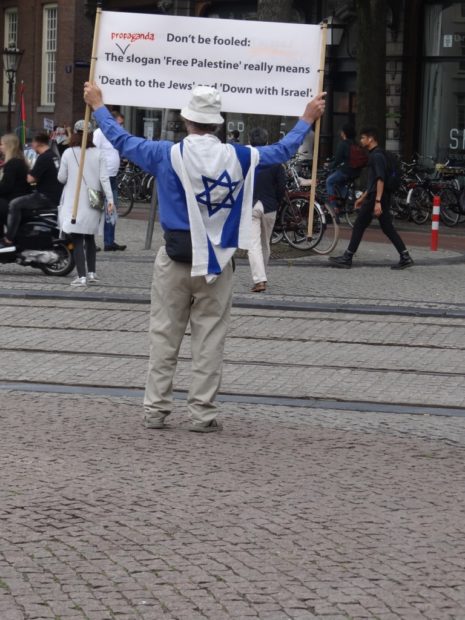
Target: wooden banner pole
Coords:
[(316, 143), (87, 113)]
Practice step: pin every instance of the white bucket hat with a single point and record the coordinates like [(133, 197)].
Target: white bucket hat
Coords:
[(79, 126), (204, 106)]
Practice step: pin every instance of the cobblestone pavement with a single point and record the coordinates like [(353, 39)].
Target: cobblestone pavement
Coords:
[(390, 359), (290, 512), (283, 515), (308, 278)]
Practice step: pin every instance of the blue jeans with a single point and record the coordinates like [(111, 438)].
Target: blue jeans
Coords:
[(109, 228), (336, 186)]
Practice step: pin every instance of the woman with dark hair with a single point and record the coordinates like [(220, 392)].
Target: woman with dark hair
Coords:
[(14, 180), (89, 221)]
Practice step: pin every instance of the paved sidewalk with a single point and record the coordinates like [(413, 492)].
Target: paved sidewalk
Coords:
[(292, 512), (291, 275), (284, 515)]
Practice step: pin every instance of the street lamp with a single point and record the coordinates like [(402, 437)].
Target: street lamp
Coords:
[(335, 31), (11, 61), (334, 35)]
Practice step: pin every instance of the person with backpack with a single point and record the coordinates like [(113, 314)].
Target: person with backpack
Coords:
[(349, 159), (375, 201)]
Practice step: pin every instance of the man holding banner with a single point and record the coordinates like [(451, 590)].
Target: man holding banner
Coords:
[(205, 191)]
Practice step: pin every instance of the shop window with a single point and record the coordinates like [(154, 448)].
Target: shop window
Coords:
[(442, 133)]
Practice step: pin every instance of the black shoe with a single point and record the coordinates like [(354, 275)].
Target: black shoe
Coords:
[(342, 262), (114, 247), (97, 249), (404, 262)]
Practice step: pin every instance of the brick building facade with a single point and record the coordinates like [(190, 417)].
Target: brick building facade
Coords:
[(56, 38)]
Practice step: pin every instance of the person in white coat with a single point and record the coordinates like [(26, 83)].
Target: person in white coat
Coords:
[(89, 222)]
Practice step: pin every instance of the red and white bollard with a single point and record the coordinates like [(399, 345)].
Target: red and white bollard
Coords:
[(435, 224)]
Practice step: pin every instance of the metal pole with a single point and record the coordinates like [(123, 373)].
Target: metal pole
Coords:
[(10, 100), (152, 217)]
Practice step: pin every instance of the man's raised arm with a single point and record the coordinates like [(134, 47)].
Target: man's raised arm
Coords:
[(283, 150), (145, 153)]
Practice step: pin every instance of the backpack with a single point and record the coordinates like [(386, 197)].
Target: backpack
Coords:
[(393, 172), (358, 157)]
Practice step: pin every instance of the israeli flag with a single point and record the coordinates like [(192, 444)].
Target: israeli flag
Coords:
[(218, 182)]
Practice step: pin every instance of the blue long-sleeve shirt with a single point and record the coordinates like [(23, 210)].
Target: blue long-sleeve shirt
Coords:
[(155, 157)]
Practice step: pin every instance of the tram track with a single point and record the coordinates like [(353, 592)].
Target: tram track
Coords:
[(271, 400), (446, 311), (237, 362)]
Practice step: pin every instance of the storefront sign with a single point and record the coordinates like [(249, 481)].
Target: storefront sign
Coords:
[(448, 40), (258, 67)]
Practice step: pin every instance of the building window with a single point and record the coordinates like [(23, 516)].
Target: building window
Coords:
[(442, 132), (49, 49), (10, 39)]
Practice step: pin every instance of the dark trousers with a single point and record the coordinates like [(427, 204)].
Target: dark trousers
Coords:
[(84, 252), (363, 220), (3, 214), (20, 206), (108, 227)]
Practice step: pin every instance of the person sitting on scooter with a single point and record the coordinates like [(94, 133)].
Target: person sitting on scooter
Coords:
[(47, 192), (14, 180)]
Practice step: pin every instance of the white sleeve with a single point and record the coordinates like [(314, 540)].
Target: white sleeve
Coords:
[(97, 138), (104, 178), (62, 174)]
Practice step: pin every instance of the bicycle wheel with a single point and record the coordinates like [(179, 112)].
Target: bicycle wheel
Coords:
[(420, 204), (399, 207), (294, 223), (276, 236), (350, 213), (125, 199), (450, 209), (330, 236)]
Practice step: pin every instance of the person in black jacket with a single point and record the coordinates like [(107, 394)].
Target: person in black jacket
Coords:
[(269, 188), (375, 201), (14, 180), (47, 190)]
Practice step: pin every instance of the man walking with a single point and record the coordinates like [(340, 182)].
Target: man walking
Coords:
[(205, 191), (374, 201)]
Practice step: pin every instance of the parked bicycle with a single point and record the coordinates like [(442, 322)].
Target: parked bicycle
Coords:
[(133, 185)]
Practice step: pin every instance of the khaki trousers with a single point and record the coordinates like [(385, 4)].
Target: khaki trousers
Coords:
[(178, 298), (259, 253)]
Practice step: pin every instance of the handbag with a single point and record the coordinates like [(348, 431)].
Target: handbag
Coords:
[(96, 196), (96, 199)]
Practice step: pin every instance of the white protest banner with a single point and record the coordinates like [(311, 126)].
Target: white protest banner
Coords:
[(48, 124), (258, 67)]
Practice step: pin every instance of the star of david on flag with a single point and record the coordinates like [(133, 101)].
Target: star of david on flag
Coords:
[(218, 193)]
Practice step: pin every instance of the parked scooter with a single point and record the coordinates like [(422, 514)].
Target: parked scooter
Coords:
[(38, 244)]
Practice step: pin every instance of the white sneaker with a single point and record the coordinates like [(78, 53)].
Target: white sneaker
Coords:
[(79, 281), (92, 278)]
